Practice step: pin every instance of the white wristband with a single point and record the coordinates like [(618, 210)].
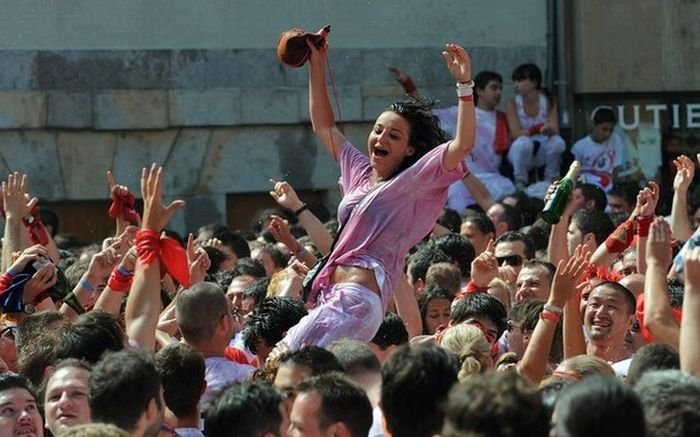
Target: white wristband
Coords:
[(465, 92), (553, 309), (469, 84)]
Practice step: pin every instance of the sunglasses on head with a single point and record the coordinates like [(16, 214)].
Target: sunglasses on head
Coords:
[(511, 260)]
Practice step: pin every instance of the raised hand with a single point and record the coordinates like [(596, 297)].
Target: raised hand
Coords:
[(14, 196), (102, 263), (122, 208), (284, 195), (692, 271), (458, 62), (29, 254), (280, 232), (568, 275), (198, 261), (485, 267), (659, 243), (128, 260), (155, 214), (214, 243), (317, 54), (685, 171), (647, 199), (42, 280), (508, 275)]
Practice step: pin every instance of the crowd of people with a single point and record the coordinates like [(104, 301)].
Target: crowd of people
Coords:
[(438, 302)]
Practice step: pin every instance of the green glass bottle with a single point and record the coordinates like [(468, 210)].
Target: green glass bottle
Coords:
[(554, 208), (63, 293)]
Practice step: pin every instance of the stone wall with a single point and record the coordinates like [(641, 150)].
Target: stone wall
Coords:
[(196, 86), (220, 121), (636, 46)]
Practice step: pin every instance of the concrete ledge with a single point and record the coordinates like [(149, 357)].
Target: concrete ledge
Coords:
[(22, 110), (34, 153), (116, 110), (214, 107), (71, 110), (270, 105), (84, 159)]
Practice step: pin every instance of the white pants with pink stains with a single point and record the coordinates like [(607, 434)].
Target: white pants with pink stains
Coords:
[(344, 310)]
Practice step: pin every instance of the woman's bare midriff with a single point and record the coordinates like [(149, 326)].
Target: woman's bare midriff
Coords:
[(356, 275)]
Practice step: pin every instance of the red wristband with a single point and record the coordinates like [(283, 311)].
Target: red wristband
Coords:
[(147, 245), (621, 238), (643, 224), (119, 282), (172, 256), (552, 317), (467, 98)]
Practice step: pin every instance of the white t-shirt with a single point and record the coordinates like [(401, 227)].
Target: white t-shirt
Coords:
[(621, 368), (189, 432), (220, 372), (598, 159)]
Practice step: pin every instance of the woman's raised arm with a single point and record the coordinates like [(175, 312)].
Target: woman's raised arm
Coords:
[(320, 110), (460, 66)]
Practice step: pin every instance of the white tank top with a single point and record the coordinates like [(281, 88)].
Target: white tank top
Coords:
[(527, 121)]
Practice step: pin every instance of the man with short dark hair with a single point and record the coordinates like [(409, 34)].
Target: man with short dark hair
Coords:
[(418, 264), (125, 390), (20, 413), (330, 405), (66, 396), (362, 367), (478, 229), (89, 336), (482, 310), (181, 369), (598, 406), (415, 383), (651, 357), (459, 249), (271, 257), (307, 361), (32, 325), (588, 226), (248, 409), (670, 399), (269, 322), (391, 334), (622, 199), (590, 196), (609, 314), (534, 280), (511, 250), (234, 247), (504, 217), (495, 404), (246, 272)]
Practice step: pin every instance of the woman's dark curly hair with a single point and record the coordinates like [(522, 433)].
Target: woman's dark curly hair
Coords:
[(426, 133)]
